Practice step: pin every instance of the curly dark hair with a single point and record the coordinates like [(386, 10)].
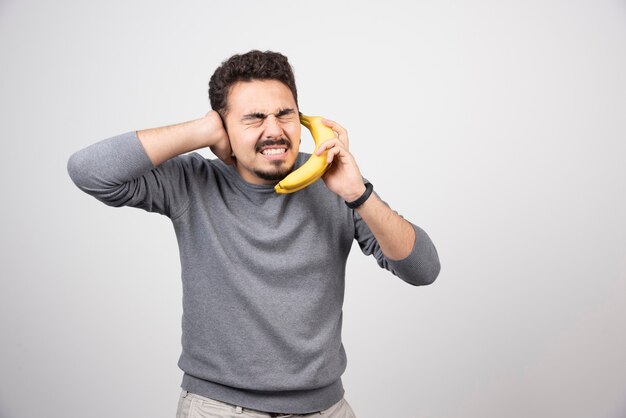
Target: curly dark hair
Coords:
[(253, 65)]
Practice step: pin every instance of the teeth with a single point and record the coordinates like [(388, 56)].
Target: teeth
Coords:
[(274, 151)]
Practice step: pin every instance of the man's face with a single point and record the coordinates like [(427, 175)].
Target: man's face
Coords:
[(263, 125)]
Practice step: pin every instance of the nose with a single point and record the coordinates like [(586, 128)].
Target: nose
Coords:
[(272, 128)]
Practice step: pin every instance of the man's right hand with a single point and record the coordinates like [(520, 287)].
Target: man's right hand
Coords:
[(218, 140), (166, 142)]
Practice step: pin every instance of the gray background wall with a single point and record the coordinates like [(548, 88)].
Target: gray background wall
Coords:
[(497, 126)]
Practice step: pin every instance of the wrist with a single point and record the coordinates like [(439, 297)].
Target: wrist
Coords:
[(354, 195), (362, 198), (204, 131)]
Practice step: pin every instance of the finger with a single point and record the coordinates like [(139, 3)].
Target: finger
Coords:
[(335, 127), (227, 158), (341, 132), (330, 156), (331, 143), (224, 153)]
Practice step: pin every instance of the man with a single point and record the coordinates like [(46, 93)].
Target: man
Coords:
[(262, 273)]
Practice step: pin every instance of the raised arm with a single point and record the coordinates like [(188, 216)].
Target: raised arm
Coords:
[(394, 234), (166, 142), (397, 244), (138, 169)]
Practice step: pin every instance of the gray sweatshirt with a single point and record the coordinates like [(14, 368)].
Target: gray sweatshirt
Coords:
[(262, 273)]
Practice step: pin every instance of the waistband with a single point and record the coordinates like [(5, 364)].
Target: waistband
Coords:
[(235, 409), (281, 402)]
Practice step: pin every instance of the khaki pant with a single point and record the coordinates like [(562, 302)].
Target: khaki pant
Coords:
[(195, 406)]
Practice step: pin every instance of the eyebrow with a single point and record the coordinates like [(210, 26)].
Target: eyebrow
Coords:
[(284, 112), (260, 115)]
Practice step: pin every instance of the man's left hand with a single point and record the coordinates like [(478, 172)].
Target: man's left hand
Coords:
[(343, 177)]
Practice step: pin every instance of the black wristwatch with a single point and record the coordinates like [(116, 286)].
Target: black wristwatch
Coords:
[(366, 194)]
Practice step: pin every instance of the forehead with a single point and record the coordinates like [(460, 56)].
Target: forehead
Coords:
[(265, 96)]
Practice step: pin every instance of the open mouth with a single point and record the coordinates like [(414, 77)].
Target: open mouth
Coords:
[(274, 151)]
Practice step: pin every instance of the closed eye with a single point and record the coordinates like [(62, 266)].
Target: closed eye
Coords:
[(285, 112), (257, 118), (254, 118)]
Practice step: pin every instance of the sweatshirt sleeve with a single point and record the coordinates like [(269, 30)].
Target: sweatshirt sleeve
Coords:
[(118, 172), (420, 267)]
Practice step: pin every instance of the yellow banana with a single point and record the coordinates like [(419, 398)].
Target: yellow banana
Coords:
[(316, 165)]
